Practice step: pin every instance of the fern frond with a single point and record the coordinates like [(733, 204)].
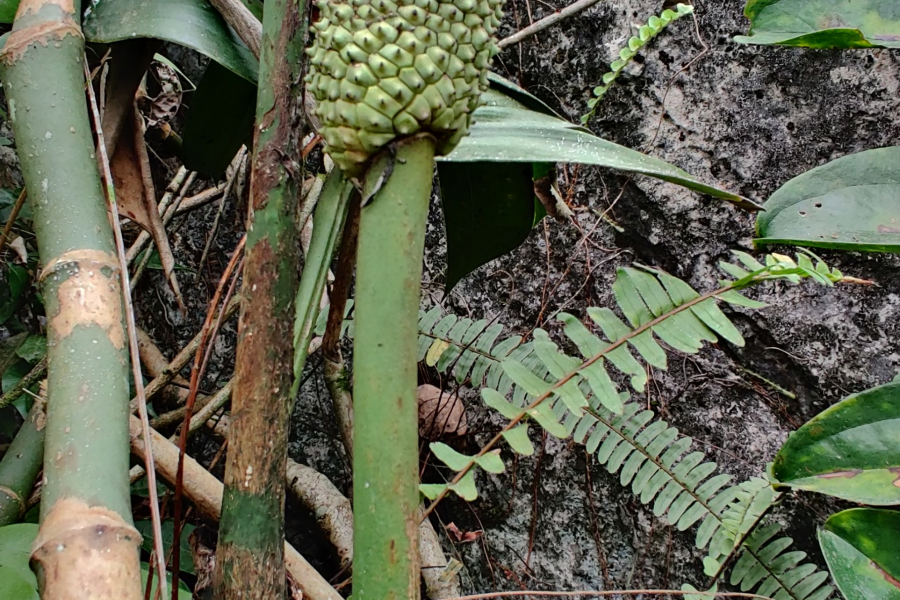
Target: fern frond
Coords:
[(567, 396), (646, 32), (778, 574)]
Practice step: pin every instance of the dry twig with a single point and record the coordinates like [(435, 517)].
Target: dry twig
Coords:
[(549, 21), (20, 201)]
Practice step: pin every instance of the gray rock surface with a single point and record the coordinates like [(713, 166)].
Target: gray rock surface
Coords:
[(749, 118)]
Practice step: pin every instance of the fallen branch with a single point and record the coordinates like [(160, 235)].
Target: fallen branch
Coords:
[(247, 26), (549, 21), (205, 492), (331, 508)]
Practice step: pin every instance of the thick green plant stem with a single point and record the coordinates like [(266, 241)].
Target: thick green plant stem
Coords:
[(250, 560), (87, 546), (385, 444), (21, 464)]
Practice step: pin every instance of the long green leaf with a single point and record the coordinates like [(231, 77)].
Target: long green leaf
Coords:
[(192, 23), (15, 550), (852, 203), (505, 131), (860, 546), (823, 23), (329, 218), (488, 211), (850, 450), (219, 121)]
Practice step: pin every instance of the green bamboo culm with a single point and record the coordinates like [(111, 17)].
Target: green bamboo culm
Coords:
[(87, 546), (385, 440), (21, 464), (250, 557)]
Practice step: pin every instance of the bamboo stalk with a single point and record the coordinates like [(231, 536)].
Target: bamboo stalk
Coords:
[(250, 554), (21, 464), (385, 445), (87, 546)]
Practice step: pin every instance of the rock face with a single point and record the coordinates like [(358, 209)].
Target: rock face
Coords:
[(749, 118)]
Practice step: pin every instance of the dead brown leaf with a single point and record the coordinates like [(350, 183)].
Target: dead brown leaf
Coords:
[(462, 537), (136, 195), (440, 413), (159, 110)]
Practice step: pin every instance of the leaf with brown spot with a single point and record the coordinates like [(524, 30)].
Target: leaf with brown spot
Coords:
[(860, 546), (849, 451)]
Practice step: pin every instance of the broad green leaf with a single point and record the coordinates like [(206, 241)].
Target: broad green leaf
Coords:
[(852, 203), (465, 487), (856, 566), (505, 132), (14, 373), (255, 6), (432, 490), (33, 349), (8, 10), (518, 440), (498, 402), (15, 552), (185, 558), (489, 210), (860, 547), (184, 592), (220, 120), (543, 414), (141, 488), (450, 457), (734, 297), (707, 595), (11, 292), (524, 378), (823, 23), (15, 587), (9, 349), (192, 23), (850, 450)]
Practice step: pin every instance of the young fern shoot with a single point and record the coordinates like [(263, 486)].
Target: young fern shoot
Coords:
[(646, 32)]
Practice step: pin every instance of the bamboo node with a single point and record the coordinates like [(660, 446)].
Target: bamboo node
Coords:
[(90, 295), (85, 549), (20, 40)]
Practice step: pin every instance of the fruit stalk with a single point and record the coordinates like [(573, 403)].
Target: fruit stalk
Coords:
[(386, 455)]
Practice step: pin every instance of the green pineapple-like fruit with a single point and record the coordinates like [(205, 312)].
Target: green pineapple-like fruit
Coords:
[(382, 69)]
